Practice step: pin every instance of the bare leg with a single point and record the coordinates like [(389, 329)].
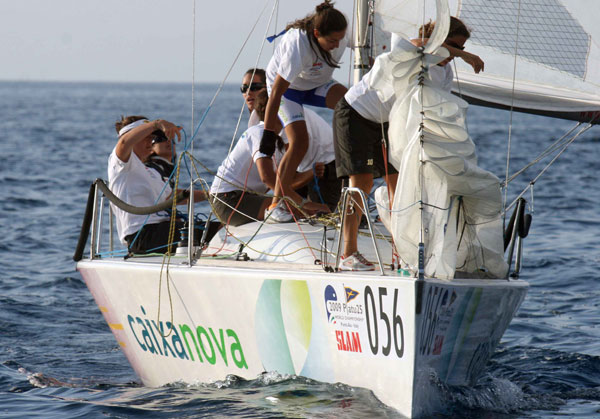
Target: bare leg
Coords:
[(334, 94), (297, 134), (392, 180), (363, 181)]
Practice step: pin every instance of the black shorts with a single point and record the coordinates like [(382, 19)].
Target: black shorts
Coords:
[(250, 204), (357, 143), (329, 188), (154, 237)]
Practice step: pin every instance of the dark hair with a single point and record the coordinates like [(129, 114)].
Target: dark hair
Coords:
[(126, 120), (457, 28), (257, 72), (260, 106), (326, 20)]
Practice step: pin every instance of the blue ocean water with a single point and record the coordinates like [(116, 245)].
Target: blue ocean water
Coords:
[(59, 359)]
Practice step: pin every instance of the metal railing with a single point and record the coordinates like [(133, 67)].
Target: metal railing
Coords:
[(99, 193), (346, 197)]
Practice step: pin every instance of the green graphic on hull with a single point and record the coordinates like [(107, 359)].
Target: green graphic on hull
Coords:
[(283, 320)]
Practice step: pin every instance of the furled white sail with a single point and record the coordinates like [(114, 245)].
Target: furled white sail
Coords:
[(548, 47), (443, 198)]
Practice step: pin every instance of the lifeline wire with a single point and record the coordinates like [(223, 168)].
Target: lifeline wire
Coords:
[(553, 147), (534, 180)]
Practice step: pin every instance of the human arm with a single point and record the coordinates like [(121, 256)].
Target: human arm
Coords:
[(302, 178), (128, 140), (269, 177), (267, 144), (471, 59), (266, 172)]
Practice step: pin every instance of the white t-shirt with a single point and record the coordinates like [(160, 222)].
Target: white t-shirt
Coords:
[(320, 141), (367, 103), (233, 173), (137, 185), (295, 60)]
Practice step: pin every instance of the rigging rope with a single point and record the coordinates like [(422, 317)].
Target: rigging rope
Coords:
[(188, 145), (550, 163), (553, 147), (222, 84), (237, 125)]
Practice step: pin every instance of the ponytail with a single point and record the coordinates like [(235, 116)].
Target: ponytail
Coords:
[(326, 20)]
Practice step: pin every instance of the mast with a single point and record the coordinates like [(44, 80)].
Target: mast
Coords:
[(361, 39)]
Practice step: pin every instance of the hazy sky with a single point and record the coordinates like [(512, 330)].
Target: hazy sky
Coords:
[(138, 40)]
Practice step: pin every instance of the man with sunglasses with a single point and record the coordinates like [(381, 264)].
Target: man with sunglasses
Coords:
[(163, 156), (320, 154), (138, 185)]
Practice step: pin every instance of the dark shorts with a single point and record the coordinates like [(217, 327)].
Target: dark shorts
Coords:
[(153, 238), (329, 188), (250, 205), (357, 143)]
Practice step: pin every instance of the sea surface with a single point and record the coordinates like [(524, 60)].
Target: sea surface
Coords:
[(59, 359)]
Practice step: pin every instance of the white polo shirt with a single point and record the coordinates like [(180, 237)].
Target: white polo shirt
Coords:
[(138, 185)]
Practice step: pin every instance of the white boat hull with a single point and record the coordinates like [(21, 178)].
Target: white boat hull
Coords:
[(388, 334)]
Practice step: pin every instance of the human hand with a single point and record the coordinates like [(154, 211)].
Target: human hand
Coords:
[(473, 60), (312, 208), (170, 129), (319, 169)]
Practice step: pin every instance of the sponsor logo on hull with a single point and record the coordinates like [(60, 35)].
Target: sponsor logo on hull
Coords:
[(365, 315), (184, 342), (348, 341)]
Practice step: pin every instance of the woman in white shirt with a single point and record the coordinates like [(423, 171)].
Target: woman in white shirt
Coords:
[(360, 124), (242, 180), (300, 73)]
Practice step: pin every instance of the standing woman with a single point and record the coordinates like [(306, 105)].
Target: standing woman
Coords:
[(300, 73), (361, 120)]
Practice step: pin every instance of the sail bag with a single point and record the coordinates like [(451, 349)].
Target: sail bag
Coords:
[(443, 198)]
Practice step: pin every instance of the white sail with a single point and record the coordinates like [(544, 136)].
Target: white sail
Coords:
[(459, 219), (548, 47)]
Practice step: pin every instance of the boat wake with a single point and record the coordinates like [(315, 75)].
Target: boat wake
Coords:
[(527, 379), (18, 379), (285, 394), (531, 380)]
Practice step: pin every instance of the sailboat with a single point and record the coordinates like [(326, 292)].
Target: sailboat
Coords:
[(263, 297)]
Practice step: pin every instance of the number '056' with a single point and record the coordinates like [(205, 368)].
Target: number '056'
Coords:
[(392, 330)]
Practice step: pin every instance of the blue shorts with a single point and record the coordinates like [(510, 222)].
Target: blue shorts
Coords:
[(291, 108)]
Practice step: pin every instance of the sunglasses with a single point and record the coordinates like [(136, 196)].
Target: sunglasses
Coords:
[(455, 45), (159, 139), (254, 87)]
